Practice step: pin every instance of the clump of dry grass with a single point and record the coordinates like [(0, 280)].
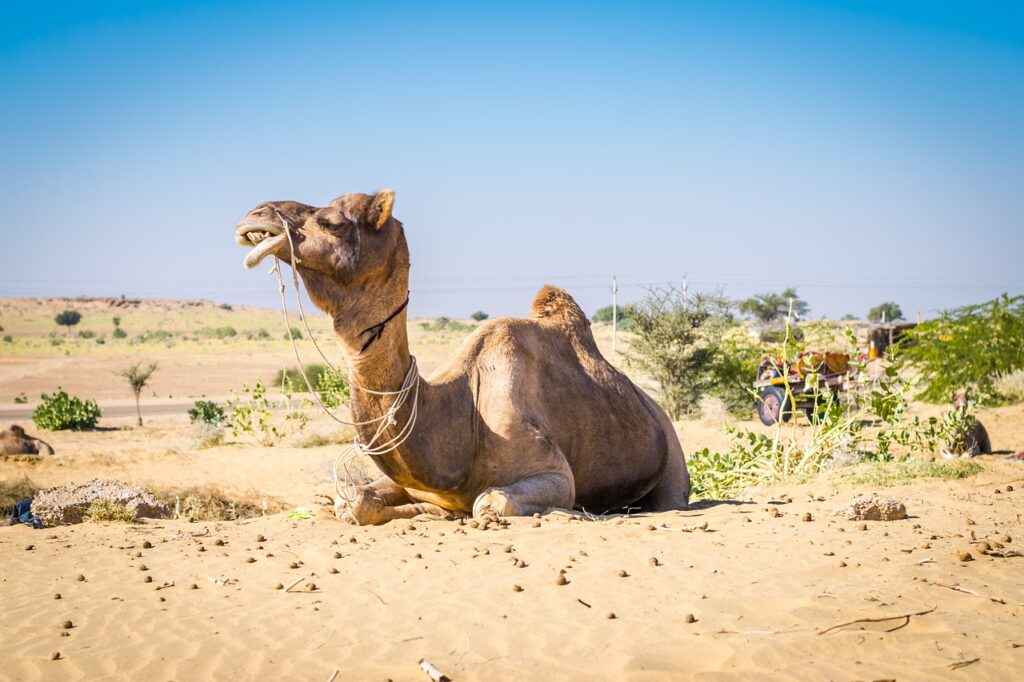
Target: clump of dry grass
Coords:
[(1010, 386), (210, 503), (108, 510), (14, 491)]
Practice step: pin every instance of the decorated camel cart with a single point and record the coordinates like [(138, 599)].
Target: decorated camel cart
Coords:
[(802, 381)]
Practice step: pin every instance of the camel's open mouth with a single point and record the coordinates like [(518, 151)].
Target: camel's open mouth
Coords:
[(264, 237)]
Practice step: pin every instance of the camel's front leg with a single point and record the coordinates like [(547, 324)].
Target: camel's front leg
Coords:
[(380, 502), (530, 495)]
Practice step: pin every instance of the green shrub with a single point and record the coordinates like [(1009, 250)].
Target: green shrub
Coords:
[(20, 399), (68, 318), (968, 348), (217, 332), (119, 333), (86, 334), (206, 411), (445, 324), (331, 386), (61, 411), (258, 335), (293, 333), (8, 339), (151, 336)]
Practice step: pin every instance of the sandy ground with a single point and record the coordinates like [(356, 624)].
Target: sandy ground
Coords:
[(749, 598)]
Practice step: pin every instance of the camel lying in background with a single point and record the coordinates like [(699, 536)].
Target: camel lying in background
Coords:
[(13, 441), (525, 416)]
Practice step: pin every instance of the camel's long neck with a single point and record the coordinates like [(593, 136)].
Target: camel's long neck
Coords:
[(383, 367)]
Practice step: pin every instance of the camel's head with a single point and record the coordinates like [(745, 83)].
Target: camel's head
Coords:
[(351, 246)]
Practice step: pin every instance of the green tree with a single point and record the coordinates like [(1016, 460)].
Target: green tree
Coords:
[(137, 377), (677, 342), (888, 311), (69, 318), (968, 347), (479, 316), (769, 307)]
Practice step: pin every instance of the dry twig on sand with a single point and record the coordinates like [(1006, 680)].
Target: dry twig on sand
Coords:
[(435, 674), (957, 588), (963, 664), (333, 675), (685, 529), (294, 584), (904, 616)]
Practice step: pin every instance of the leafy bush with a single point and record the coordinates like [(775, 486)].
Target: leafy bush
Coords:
[(20, 399), (331, 386), (257, 334), (86, 334), (225, 306), (293, 333), (677, 342), (479, 316), (151, 336), (207, 412), (8, 339), (60, 411), (769, 307), (68, 318), (252, 414), (968, 348), (889, 311), (119, 333), (225, 332)]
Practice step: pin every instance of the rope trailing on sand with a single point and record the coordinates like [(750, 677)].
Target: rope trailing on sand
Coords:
[(376, 446)]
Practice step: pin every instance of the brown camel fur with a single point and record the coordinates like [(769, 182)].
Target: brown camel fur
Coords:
[(525, 416), (14, 441)]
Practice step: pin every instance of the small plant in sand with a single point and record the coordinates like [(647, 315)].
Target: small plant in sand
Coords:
[(118, 332), (60, 411), (207, 424), (137, 378), (108, 510), (252, 414)]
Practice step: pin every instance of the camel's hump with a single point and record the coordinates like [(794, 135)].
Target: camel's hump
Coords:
[(556, 304)]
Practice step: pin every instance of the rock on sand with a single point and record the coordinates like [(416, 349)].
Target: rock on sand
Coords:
[(67, 503), (872, 508)]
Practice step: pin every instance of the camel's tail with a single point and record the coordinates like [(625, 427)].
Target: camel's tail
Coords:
[(555, 304)]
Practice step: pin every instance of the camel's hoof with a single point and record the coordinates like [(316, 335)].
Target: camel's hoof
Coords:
[(493, 504)]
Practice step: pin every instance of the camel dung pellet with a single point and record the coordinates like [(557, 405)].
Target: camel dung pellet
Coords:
[(1009, 488), (508, 549), (352, 540), (651, 526), (842, 564), (1005, 538), (293, 565), (332, 570), (311, 587), (56, 595), (690, 618), (746, 519), (80, 578), (862, 526), (218, 542), (520, 563), (418, 555), (193, 586), (201, 548), (998, 491), (610, 615), (137, 555), (279, 586), (561, 579), (623, 573), (67, 625), (653, 561), (250, 560), (148, 579), (536, 515), (517, 588), (162, 599), (807, 516), (29, 548), (55, 656), (260, 538), (147, 545), (65, 633), (830, 553), (143, 567), (536, 524), (983, 547), (964, 556), (474, 524), (337, 555)]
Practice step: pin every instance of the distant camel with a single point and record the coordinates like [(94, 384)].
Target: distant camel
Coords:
[(525, 416), (13, 441)]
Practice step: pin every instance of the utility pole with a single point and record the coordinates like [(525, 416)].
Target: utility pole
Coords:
[(615, 314)]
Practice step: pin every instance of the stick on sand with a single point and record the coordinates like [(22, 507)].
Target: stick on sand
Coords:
[(435, 674), (906, 616)]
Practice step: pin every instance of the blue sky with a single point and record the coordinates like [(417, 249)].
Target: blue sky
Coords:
[(861, 151)]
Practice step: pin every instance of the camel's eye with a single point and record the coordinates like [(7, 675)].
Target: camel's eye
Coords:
[(335, 223)]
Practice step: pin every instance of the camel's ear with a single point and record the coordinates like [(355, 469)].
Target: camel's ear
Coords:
[(380, 208)]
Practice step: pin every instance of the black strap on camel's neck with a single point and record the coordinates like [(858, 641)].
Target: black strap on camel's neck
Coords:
[(377, 330)]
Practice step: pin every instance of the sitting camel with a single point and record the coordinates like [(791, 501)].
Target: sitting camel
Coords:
[(525, 416), (13, 441)]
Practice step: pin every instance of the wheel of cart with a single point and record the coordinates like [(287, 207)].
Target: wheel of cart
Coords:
[(773, 404)]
